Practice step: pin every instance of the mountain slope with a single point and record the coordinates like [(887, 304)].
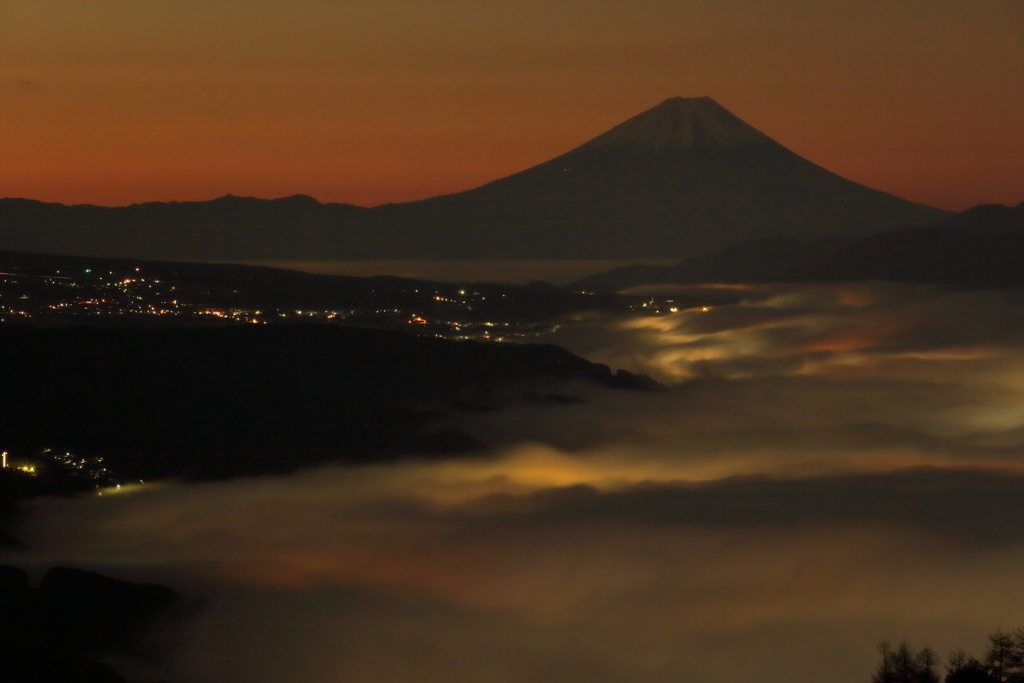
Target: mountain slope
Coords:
[(761, 260), (254, 400), (682, 178), (980, 247)]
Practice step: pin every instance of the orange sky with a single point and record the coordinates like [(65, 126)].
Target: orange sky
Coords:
[(369, 101)]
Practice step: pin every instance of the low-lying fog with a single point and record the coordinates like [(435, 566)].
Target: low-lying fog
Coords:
[(834, 465)]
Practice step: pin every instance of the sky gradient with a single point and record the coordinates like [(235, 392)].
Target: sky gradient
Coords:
[(115, 101)]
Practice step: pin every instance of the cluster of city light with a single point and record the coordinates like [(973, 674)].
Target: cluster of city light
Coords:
[(117, 295), (659, 306), (87, 468), (91, 467), (107, 294), (8, 464)]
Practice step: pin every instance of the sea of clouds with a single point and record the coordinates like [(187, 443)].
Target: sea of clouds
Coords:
[(831, 466)]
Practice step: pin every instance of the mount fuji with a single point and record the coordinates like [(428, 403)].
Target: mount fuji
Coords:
[(683, 178)]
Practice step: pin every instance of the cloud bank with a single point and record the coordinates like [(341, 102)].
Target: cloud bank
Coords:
[(833, 466)]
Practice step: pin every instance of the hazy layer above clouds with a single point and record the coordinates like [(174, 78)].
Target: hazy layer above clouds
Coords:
[(835, 466)]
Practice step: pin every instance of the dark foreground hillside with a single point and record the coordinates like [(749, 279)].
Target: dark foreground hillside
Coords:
[(59, 631), (223, 402)]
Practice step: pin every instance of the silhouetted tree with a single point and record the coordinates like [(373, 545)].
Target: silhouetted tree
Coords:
[(1004, 663), (1005, 657), (999, 660), (970, 670), (927, 660), (884, 674), (903, 665), (1017, 657)]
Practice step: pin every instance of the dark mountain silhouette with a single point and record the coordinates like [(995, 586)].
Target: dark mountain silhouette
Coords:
[(58, 630), (252, 400), (763, 260), (683, 178), (228, 228), (980, 247)]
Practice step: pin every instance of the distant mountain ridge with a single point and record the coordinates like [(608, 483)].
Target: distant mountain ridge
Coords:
[(683, 178), (761, 260), (226, 228), (980, 247)]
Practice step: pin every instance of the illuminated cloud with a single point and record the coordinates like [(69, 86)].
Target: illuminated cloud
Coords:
[(763, 520), (457, 567)]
